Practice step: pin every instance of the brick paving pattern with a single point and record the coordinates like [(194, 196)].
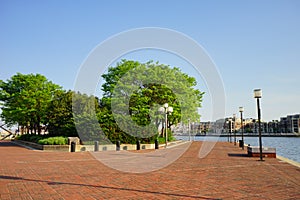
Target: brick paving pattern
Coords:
[(223, 174)]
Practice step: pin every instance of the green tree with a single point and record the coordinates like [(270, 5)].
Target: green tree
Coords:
[(85, 109), (60, 119), (25, 100), (71, 114), (134, 91)]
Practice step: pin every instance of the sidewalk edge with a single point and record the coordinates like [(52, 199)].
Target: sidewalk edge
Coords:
[(292, 162)]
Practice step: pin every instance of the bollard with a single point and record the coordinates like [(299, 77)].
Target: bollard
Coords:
[(241, 143), (249, 154), (118, 145), (73, 146), (138, 145), (96, 148), (156, 144)]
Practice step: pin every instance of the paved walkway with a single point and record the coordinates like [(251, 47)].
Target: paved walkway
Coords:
[(224, 174)]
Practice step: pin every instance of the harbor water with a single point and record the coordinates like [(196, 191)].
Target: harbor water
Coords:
[(288, 147)]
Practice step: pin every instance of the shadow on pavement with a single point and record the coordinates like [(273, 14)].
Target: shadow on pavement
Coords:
[(237, 155), (105, 187), (6, 143)]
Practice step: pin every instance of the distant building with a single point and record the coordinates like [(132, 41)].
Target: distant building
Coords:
[(290, 124), (234, 125), (205, 127), (273, 126)]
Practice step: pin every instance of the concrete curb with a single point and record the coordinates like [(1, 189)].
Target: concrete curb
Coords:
[(177, 143), (173, 144), (292, 162)]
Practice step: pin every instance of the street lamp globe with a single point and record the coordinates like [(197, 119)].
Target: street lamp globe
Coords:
[(161, 110), (241, 109), (257, 93), (170, 109)]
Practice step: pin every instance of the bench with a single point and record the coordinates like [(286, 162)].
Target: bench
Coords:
[(266, 152)]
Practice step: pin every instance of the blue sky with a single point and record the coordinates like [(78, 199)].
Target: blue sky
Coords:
[(254, 44)]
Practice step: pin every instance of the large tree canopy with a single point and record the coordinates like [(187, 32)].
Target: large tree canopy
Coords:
[(25, 100), (134, 91)]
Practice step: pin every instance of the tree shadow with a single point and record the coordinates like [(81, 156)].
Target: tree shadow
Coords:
[(106, 187), (4, 143)]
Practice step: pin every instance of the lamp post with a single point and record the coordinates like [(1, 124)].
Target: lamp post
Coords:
[(241, 109), (230, 128), (166, 109), (226, 126), (257, 95), (189, 130), (234, 129)]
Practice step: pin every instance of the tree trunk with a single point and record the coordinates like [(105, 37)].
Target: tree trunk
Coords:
[(38, 125)]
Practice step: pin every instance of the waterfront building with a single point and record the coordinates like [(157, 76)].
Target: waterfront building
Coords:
[(273, 126), (204, 127), (290, 124), (235, 125), (219, 126)]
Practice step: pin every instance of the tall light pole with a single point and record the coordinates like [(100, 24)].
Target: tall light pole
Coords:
[(226, 125), (230, 129), (166, 109), (189, 130), (241, 109), (234, 129), (257, 95)]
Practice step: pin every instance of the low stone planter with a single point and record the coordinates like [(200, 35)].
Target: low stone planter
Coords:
[(33, 145), (65, 148)]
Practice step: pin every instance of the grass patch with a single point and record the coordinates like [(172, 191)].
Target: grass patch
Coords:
[(60, 140)]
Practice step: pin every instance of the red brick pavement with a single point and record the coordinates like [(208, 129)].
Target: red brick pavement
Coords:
[(224, 174)]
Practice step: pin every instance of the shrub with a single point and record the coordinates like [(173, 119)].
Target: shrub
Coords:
[(44, 139), (29, 138), (60, 140), (162, 140)]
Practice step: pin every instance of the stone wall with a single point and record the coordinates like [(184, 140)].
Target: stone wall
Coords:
[(66, 148)]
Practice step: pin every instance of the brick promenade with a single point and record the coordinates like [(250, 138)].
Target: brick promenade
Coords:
[(224, 174)]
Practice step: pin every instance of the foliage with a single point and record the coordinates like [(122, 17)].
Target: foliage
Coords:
[(128, 110), (43, 139), (60, 119), (30, 137), (162, 140), (85, 110), (73, 114), (60, 140), (133, 92), (25, 100)]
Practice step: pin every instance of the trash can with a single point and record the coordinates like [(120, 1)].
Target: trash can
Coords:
[(241, 143)]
